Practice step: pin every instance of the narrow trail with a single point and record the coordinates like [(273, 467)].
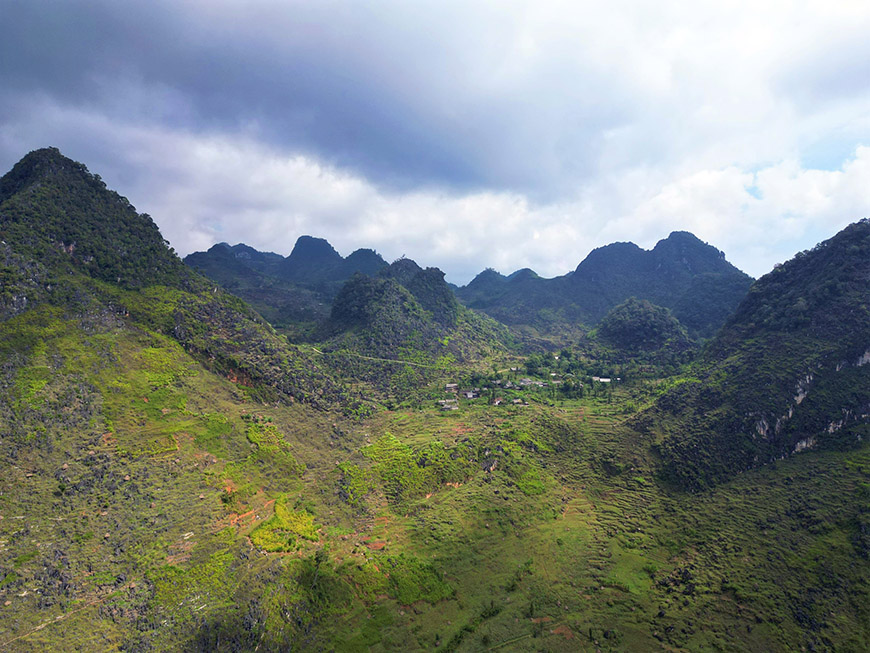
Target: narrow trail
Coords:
[(379, 360), (389, 360)]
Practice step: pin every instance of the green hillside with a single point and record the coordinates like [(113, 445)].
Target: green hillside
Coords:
[(786, 374), (175, 476), (405, 331), (639, 327)]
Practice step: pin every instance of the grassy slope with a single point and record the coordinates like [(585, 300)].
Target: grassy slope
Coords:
[(112, 436), (599, 553), (565, 545)]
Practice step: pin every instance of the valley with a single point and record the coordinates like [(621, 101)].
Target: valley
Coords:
[(405, 472)]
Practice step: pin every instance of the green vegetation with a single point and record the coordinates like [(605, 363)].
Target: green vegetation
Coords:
[(58, 214), (279, 532), (411, 580), (640, 328), (178, 477), (785, 374)]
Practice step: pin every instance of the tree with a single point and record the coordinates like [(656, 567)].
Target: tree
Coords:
[(321, 556)]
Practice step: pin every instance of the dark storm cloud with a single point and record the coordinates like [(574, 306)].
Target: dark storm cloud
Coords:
[(403, 104)]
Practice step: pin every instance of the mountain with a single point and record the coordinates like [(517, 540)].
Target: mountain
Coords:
[(520, 298), (231, 266), (397, 312), (681, 273), (407, 313), (787, 373), (58, 215), (311, 259), (638, 327), (294, 293), (366, 261), (315, 262), (127, 384), (428, 288), (252, 276), (229, 260), (70, 243)]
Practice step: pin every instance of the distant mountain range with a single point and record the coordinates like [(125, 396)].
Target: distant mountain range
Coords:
[(359, 302), (681, 273), (294, 293)]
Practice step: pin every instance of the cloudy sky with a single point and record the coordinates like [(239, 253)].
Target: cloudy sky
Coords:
[(461, 134)]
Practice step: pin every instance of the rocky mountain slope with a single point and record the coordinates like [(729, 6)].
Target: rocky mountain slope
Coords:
[(787, 373)]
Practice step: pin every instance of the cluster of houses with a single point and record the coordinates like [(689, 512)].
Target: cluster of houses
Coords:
[(452, 403), (456, 393)]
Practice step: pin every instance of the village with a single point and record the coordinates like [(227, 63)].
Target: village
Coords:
[(504, 392)]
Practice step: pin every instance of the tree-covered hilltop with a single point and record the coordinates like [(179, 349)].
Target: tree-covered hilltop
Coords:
[(68, 242), (57, 214), (787, 373), (638, 328), (427, 287), (407, 313), (681, 273)]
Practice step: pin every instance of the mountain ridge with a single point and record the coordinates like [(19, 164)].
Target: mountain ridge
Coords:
[(294, 292), (691, 278), (681, 273)]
